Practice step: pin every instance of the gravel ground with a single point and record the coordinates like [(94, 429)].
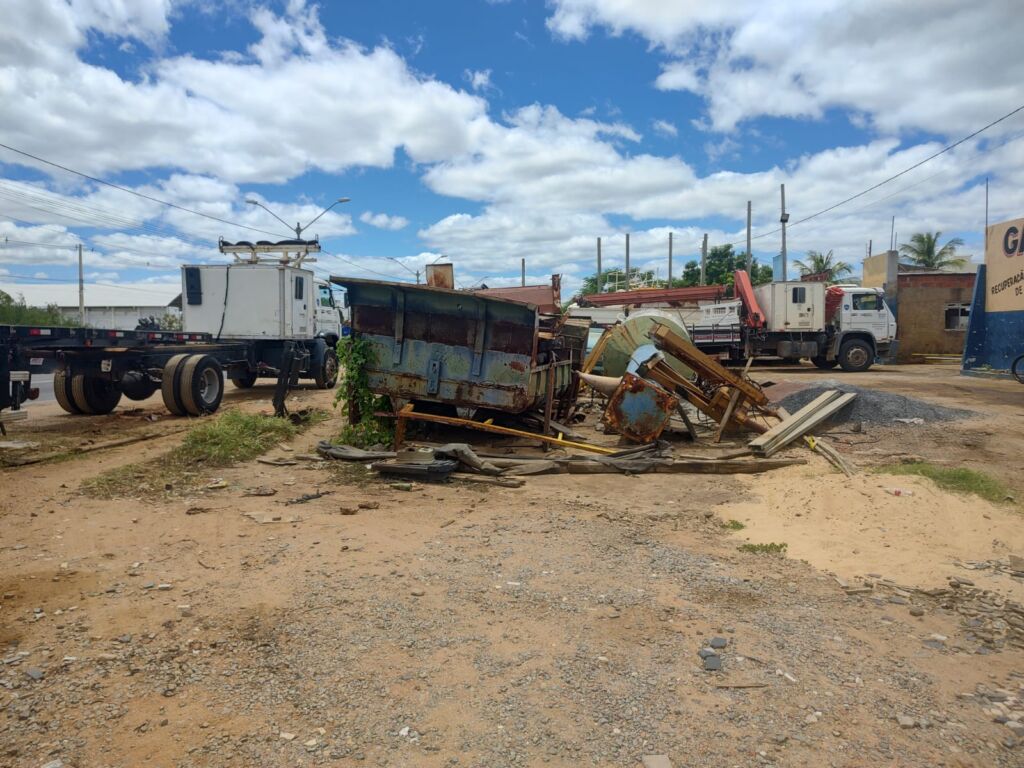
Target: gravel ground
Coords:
[(874, 406)]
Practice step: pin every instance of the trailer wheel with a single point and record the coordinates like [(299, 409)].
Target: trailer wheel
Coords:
[(327, 374), (169, 385), (62, 391), (202, 384), (824, 363), (137, 385), (855, 356), (94, 395), (244, 379)]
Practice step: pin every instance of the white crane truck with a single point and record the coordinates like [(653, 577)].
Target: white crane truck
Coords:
[(842, 325), (246, 319)]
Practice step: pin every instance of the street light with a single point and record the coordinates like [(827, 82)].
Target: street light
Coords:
[(298, 227), (413, 271)]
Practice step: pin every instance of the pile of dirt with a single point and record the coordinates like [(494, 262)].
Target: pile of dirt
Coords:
[(874, 406)]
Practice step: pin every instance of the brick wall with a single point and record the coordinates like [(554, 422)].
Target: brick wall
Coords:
[(922, 318)]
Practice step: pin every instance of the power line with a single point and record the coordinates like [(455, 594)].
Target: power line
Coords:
[(137, 193)]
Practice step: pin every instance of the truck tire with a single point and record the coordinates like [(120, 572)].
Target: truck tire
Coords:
[(62, 391), (327, 372), (137, 385), (169, 385), (94, 395), (243, 379), (201, 385), (824, 363), (855, 356)]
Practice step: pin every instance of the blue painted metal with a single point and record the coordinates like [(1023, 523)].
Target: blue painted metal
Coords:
[(639, 409), (438, 345), (994, 339)]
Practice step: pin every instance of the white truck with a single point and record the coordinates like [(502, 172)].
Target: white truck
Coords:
[(842, 325)]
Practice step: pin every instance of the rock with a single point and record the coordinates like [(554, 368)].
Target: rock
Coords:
[(35, 673), (286, 736), (705, 652), (369, 505), (712, 663), (402, 486), (417, 592), (718, 642), (58, 763), (656, 761), (1017, 562), (916, 610), (164, 587), (906, 721), (124, 638), (348, 510), (310, 743)]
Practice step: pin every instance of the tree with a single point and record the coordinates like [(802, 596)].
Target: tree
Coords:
[(923, 251), (818, 263), (16, 312)]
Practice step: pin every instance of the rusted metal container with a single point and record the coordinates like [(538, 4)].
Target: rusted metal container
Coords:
[(454, 347), (639, 409)]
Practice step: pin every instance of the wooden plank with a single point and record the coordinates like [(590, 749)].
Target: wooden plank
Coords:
[(733, 402), (596, 352), (806, 425), (408, 413), (504, 482), (791, 421)]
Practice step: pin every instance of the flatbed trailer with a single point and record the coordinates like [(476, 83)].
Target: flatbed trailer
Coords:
[(94, 367)]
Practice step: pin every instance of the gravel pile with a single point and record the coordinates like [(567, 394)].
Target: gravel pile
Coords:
[(873, 406)]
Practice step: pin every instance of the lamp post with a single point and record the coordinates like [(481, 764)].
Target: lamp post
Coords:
[(298, 227), (412, 271)]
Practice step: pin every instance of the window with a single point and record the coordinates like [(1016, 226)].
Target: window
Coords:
[(799, 295), (325, 297), (867, 301), (299, 285), (957, 316)]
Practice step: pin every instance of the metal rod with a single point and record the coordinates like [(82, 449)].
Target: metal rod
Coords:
[(750, 256), (703, 258), (669, 259), (599, 265), (81, 288)]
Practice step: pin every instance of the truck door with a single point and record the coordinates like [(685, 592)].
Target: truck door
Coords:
[(799, 312), (328, 321), (300, 306), (866, 312)]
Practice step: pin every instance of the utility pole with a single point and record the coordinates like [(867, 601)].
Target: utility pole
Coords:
[(417, 277), (81, 288), (892, 234), (703, 258), (627, 261), (869, 248), (669, 259), (599, 265), (750, 256), (522, 266), (783, 219), (986, 213)]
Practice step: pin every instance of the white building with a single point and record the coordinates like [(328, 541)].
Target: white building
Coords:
[(106, 306)]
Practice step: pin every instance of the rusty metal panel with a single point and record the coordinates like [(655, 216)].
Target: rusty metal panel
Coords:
[(441, 276), (639, 409), (451, 347)]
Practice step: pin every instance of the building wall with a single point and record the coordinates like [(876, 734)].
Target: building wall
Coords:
[(118, 318), (880, 271), (922, 320)]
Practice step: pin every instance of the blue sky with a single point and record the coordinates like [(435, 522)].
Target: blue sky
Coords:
[(491, 131)]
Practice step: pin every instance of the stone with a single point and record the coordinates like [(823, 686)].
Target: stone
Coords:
[(906, 721), (916, 610), (58, 763), (164, 587), (705, 652), (287, 736), (35, 673), (348, 510), (656, 761), (417, 592), (712, 663), (1017, 562), (369, 505), (718, 642)]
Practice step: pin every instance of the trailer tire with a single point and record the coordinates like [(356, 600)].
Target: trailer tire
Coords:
[(137, 385), (201, 385), (62, 391), (244, 380), (855, 356), (327, 372), (824, 363), (169, 384), (94, 395)]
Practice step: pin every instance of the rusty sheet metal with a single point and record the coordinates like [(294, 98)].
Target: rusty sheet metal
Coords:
[(453, 347), (639, 409)]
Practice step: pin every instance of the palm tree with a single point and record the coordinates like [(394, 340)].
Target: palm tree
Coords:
[(923, 251), (818, 262)]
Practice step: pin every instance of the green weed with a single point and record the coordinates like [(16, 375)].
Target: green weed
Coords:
[(771, 548), (733, 525), (957, 479)]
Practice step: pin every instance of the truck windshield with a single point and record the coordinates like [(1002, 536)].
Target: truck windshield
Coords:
[(865, 301), (325, 297)]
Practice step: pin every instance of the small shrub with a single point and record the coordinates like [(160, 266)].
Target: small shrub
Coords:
[(734, 525), (958, 479), (771, 548), (232, 436), (362, 428)]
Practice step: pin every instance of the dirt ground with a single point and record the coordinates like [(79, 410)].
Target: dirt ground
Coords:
[(554, 624)]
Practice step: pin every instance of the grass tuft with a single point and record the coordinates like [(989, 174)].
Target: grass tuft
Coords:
[(771, 548), (957, 479), (232, 436), (733, 525)]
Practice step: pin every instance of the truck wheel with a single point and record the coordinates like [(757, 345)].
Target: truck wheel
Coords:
[(855, 356), (136, 385), (201, 385), (169, 385), (327, 374), (62, 391), (824, 363), (94, 395), (244, 379)]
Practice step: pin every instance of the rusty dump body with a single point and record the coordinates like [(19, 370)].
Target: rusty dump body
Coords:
[(458, 348)]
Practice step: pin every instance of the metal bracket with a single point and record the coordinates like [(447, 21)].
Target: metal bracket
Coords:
[(433, 377), (399, 327), (478, 338)]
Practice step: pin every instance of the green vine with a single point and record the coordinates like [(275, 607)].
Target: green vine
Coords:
[(362, 428)]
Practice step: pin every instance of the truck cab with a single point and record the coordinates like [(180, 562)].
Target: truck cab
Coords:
[(330, 318)]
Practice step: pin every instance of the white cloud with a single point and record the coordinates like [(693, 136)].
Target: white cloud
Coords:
[(665, 128), (479, 80), (941, 66), (383, 220)]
